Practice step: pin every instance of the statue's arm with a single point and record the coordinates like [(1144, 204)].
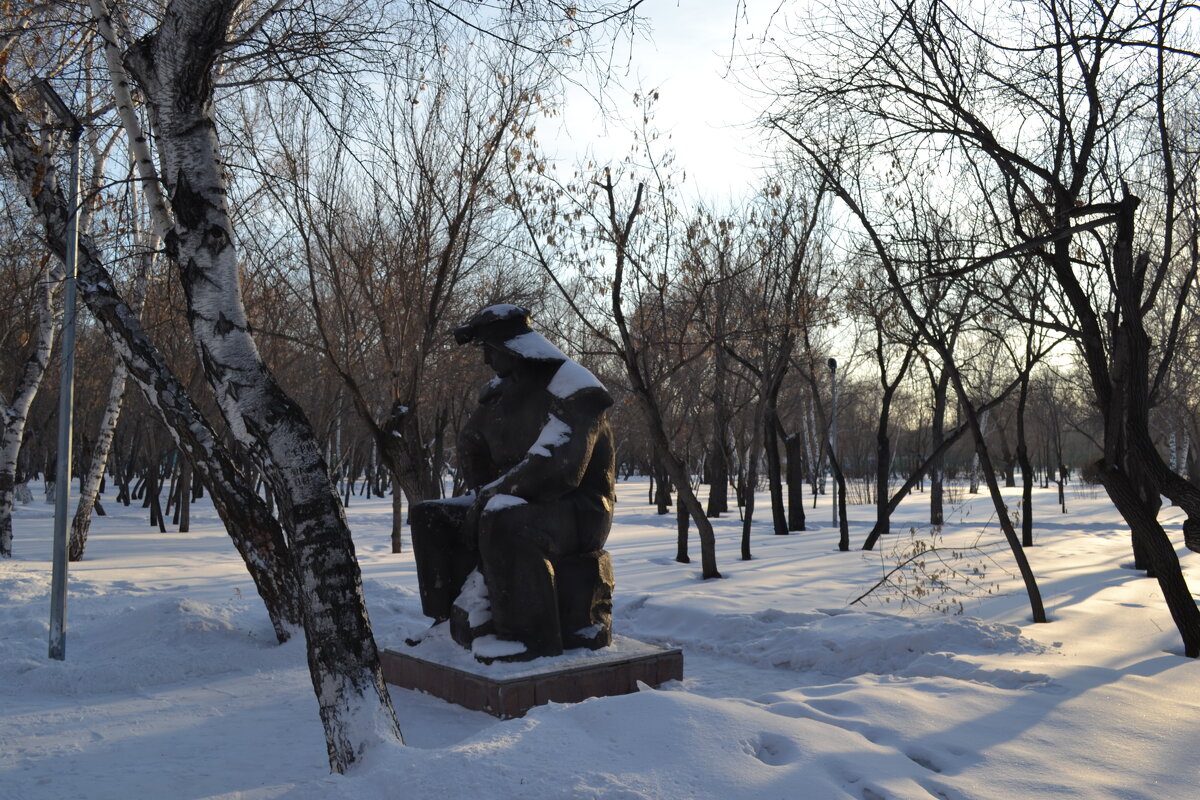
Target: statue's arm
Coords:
[(556, 462), (474, 458)]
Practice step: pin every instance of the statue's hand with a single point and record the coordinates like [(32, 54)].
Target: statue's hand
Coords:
[(482, 496)]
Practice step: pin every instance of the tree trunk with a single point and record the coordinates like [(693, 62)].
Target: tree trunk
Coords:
[(883, 461), (183, 498), (937, 511), (644, 395), (925, 466), (1062, 483), (883, 442), (662, 485), (90, 489), (775, 471), (1008, 460), (1027, 476), (173, 67), (677, 472), (1132, 471), (750, 486), (256, 534), (397, 517), (1152, 541), (795, 481), (681, 539), (153, 491), (12, 426), (718, 484), (843, 523), (718, 471), (1037, 610)]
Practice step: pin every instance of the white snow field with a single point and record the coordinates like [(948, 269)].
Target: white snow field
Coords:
[(174, 688)]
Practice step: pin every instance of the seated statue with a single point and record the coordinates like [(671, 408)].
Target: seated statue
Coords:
[(517, 564)]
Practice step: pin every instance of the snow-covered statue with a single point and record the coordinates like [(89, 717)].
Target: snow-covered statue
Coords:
[(517, 565)]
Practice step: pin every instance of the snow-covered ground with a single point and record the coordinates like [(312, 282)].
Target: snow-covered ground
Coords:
[(173, 686)]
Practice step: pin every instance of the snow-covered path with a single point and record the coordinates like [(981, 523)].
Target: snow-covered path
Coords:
[(173, 687)]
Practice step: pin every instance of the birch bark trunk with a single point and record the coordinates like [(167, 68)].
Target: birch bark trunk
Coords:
[(90, 484), (16, 413), (173, 66), (256, 534), (82, 522)]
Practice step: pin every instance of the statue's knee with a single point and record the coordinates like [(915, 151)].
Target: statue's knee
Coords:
[(517, 528), (497, 532)]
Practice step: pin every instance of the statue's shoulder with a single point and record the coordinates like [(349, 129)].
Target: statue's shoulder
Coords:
[(491, 391), (575, 385)]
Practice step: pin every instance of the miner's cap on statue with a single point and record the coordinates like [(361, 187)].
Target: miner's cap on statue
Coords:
[(506, 327)]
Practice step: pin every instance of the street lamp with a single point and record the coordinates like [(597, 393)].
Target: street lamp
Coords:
[(66, 396), (833, 492)]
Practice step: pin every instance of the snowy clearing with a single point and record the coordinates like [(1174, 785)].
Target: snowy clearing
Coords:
[(173, 686)]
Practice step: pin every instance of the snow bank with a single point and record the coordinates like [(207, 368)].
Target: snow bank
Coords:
[(836, 643), (169, 640)]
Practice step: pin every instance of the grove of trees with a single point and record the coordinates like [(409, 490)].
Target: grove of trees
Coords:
[(989, 217)]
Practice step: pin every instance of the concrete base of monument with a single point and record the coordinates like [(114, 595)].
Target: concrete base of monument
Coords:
[(441, 668)]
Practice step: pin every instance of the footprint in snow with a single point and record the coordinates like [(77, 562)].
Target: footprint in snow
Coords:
[(775, 750)]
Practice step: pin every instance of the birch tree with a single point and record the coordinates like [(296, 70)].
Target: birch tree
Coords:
[(173, 66), (16, 401), (255, 533)]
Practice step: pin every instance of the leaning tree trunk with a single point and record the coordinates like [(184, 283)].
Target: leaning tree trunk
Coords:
[(674, 466), (1140, 513), (16, 413), (644, 395), (1132, 471), (975, 421), (90, 489), (174, 68), (256, 534), (925, 466), (685, 496)]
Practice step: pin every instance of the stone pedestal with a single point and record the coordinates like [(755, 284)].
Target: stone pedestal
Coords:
[(441, 668)]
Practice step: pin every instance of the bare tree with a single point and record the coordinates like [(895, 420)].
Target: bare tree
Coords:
[(892, 357), (775, 301), (1095, 84), (35, 345)]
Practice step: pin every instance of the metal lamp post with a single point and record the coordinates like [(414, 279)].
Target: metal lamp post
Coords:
[(833, 485), (66, 397)]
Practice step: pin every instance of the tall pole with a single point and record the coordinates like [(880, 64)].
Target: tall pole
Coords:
[(833, 484), (66, 395)]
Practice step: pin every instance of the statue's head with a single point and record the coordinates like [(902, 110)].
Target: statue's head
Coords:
[(504, 330)]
